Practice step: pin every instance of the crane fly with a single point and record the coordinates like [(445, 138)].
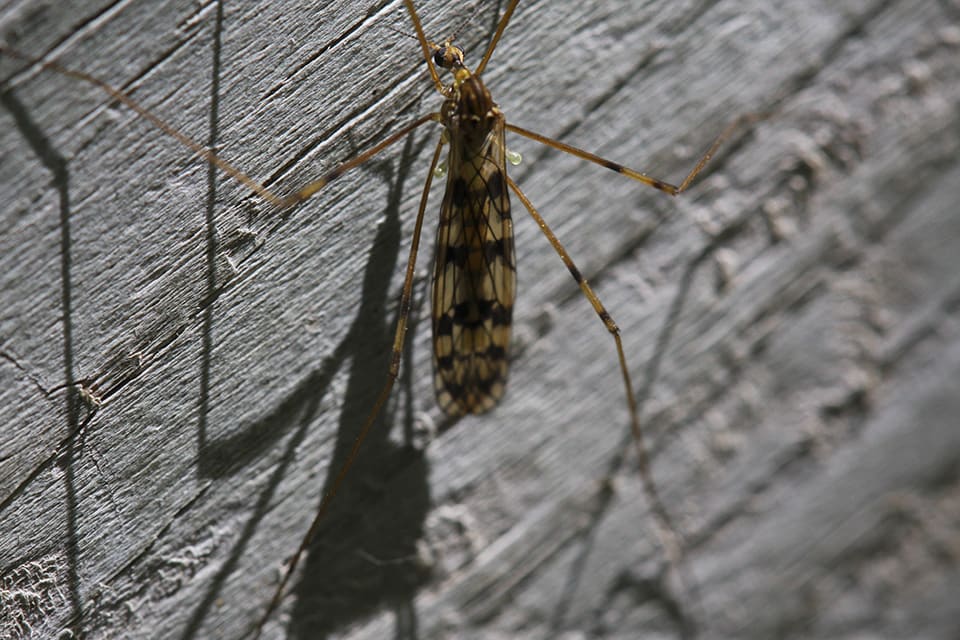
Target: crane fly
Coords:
[(474, 274)]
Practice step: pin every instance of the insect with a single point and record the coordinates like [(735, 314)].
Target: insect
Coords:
[(474, 272)]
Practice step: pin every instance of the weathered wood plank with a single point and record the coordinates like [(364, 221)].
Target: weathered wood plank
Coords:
[(802, 406)]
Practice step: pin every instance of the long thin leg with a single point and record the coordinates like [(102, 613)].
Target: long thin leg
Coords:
[(496, 36), (669, 537), (211, 157), (158, 122), (425, 46), (392, 373), (631, 173), (305, 192)]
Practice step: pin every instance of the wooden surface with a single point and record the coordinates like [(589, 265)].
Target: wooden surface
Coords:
[(791, 325)]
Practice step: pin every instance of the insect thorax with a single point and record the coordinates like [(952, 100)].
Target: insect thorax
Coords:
[(470, 114)]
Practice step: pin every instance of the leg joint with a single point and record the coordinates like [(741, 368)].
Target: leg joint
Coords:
[(608, 322)]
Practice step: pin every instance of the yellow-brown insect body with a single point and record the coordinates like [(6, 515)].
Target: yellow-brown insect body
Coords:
[(474, 282)]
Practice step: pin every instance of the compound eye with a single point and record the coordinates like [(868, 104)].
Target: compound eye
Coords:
[(448, 56)]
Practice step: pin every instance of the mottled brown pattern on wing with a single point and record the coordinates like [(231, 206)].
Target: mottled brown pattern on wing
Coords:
[(474, 277)]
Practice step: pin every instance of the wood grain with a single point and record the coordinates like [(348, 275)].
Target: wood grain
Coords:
[(790, 323)]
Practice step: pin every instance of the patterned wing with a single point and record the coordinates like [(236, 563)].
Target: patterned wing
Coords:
[(474, 279)]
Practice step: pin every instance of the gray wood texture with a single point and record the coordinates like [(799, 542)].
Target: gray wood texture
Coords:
[(790, 322)]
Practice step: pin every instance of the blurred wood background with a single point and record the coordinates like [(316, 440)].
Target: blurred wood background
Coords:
[(790, 324)]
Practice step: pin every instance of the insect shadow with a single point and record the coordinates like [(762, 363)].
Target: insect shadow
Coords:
[(364, 557), (326, 599), (67, 455)]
